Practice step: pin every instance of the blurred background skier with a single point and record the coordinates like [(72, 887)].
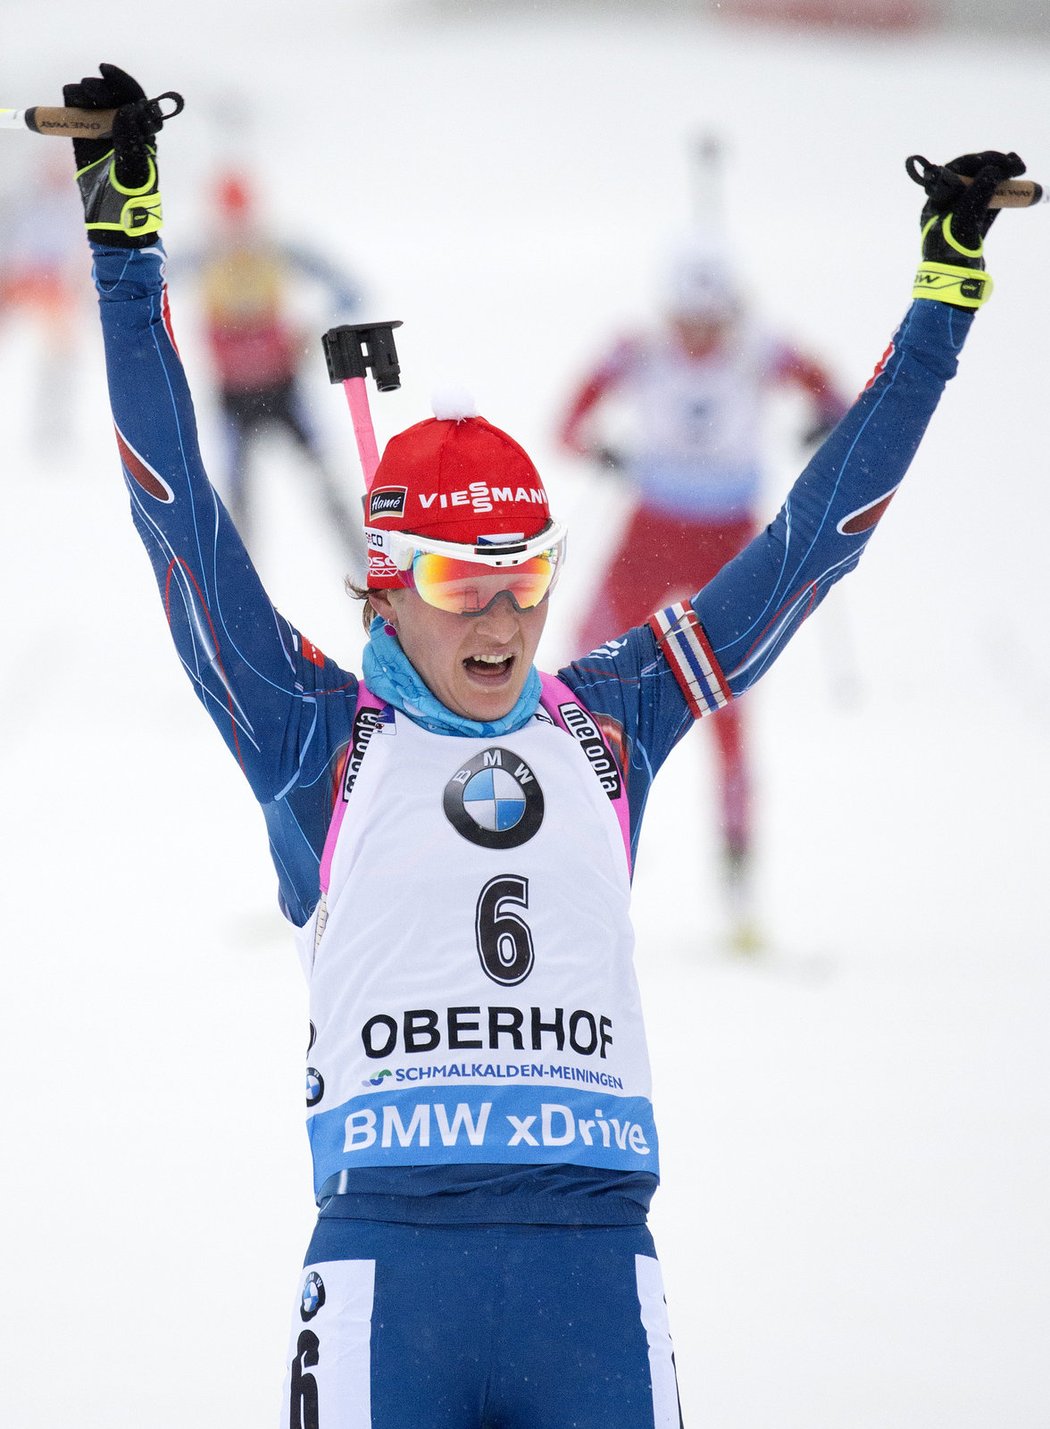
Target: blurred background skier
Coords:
[(258, 347), (694, 394), (41, 288)]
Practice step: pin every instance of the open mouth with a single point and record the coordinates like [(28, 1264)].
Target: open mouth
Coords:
[(492, 669)]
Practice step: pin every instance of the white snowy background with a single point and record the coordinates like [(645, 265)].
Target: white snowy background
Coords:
[(853, 1223)]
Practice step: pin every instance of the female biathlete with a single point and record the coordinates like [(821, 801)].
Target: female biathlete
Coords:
[(453, 835)]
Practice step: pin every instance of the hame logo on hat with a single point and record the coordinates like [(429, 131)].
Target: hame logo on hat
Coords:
[(387, 501)]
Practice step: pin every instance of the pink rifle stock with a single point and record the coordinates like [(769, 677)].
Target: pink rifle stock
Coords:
[(364, 433)]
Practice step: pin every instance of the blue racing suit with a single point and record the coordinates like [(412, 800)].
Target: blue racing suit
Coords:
[(286, 712)]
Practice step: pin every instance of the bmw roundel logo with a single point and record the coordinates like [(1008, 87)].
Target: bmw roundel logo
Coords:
[(313, 1296), (494, 800), (314, 1086)]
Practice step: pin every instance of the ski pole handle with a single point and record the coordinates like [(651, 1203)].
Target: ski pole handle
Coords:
[(83, 123), (1011, 193), (1015, 193)]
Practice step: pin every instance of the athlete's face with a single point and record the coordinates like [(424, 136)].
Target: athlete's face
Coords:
[(475, 664)]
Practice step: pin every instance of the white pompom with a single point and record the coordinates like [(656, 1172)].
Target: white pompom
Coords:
[(453, 404)]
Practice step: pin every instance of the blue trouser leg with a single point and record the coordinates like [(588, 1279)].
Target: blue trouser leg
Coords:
[(481, 1327)]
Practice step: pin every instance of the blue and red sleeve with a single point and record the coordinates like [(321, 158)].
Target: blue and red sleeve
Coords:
[(649, 685), (282, 707)]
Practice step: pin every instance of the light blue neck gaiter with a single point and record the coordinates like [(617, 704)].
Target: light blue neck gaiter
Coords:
[(391, 676)]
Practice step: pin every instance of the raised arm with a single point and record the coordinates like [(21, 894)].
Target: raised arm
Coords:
[(695, 656), (575, 428), (280, 705), (757, 601), (755, 604)]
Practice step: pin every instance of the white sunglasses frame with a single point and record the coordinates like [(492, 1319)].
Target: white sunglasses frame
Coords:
[(402, 547)]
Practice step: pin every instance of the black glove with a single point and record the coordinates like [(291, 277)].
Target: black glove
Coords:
[(118, 175), (955, 219)]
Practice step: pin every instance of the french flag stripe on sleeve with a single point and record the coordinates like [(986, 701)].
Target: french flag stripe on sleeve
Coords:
[(682, 639)]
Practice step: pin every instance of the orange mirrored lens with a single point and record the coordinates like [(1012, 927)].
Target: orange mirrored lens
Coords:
[(467, 588)]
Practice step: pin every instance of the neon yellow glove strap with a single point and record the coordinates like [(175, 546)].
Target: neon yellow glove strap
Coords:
[(138, 216), (114, 207), (944, 283), (949, 238)]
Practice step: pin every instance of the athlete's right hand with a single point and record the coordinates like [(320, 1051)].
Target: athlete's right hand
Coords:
[(118, 175)]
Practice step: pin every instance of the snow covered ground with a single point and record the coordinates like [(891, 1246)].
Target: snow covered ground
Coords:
[(853, 1222)]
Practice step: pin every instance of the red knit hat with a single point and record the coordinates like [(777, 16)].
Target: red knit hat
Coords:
[(461, 480)]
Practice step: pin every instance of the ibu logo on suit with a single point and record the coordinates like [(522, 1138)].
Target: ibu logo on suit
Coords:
[(494, 800)]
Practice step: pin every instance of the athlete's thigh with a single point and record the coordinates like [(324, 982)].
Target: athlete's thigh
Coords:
[(585, 1339), (386, 1332)]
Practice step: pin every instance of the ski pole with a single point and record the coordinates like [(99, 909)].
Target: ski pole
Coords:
[(349, 351), (708, 154), (1011, 193), (66, 123)]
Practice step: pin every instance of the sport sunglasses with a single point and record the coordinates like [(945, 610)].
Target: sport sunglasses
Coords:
[(466, 580)]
